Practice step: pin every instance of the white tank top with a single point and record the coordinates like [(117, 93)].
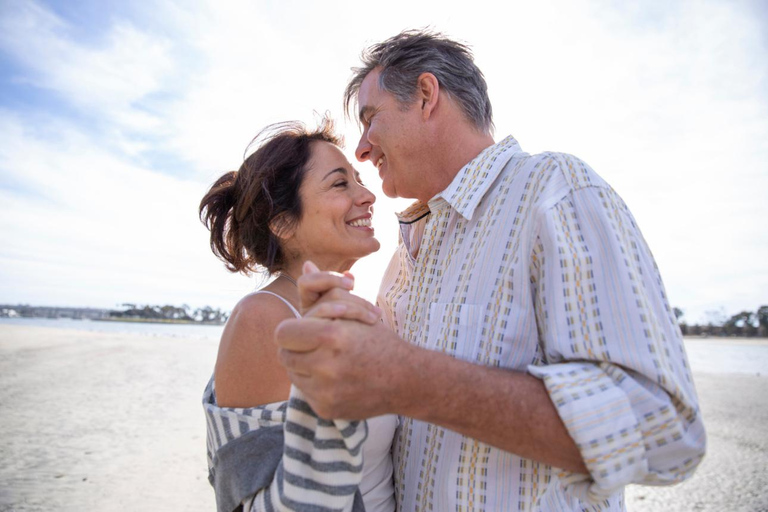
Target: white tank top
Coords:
[(377, 486)]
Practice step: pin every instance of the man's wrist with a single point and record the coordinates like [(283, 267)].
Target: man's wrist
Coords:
[(418, 381), (403, 389)]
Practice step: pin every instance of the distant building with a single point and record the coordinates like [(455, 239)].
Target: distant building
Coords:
[(27, 311)]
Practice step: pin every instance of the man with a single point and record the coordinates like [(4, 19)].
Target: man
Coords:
[(529, 347)]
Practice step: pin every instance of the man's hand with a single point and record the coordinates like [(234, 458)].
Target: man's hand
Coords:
[(346, 369), (339, 353)]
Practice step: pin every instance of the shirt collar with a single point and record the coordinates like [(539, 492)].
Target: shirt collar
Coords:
[(413, 213), (470, 185)]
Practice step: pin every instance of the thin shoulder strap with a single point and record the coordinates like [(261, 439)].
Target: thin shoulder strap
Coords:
[(298, 315)]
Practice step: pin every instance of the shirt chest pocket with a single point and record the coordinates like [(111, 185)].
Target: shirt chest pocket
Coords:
[(454, 328)]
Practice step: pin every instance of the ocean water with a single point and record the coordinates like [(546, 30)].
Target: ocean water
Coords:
[(705, 355), (211, 332), (726, 355)]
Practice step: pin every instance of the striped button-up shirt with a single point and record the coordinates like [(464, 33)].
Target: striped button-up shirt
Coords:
[(533, 263)]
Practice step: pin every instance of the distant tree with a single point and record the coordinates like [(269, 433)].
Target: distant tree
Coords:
[(741, 324), (169, 312), (205, 314), (210, 315), (678, 315), (715, 320), (762, 321), (182, 313)]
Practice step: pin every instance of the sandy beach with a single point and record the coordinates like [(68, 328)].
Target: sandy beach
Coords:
[(113, 422), (95, 421)]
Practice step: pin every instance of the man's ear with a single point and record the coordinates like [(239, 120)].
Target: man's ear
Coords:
[(281, 227), (427, 92)]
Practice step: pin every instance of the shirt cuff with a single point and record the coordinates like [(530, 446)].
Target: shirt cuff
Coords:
[(598, 416)]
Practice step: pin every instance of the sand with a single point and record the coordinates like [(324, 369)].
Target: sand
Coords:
[(734, 474), (95, 421)]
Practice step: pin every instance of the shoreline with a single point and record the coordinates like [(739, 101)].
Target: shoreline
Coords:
[(744, 340), (155, 321)]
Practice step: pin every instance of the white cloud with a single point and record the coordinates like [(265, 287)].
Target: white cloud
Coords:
[(93, 225), (109, 80)]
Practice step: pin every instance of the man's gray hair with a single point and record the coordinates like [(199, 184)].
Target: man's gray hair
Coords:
[(404, 57)]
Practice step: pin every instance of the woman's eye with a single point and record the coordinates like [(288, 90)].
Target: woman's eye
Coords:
[(340, 184)]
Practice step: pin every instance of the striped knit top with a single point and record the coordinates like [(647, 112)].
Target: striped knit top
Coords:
[(312, 464)]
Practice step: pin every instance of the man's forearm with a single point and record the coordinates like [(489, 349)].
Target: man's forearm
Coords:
[(341, 366), (506, 409)]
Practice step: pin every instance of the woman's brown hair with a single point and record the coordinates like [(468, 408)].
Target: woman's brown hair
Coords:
[(243, 206)]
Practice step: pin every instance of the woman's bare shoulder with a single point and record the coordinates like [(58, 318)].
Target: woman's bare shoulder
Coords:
[(248, 372), (260, 308)]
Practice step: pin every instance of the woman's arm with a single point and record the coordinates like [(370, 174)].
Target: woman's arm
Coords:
[(247, 370)]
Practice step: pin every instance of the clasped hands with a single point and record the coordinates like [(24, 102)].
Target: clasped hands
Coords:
[(339, 354)]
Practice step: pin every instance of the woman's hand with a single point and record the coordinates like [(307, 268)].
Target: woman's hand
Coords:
[(327, 295)]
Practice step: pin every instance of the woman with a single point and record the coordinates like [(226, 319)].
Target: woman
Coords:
[(296, 198)]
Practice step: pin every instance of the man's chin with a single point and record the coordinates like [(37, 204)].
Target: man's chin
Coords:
[(389, 191)]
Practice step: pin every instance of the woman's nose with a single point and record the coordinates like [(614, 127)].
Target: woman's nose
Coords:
[(366, 196)]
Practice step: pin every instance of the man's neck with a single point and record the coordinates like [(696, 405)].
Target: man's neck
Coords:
[(457, 149)]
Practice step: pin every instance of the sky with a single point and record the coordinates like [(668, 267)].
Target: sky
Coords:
[(115, 118)]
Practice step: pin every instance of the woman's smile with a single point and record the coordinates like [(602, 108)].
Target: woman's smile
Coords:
[(363, 222)]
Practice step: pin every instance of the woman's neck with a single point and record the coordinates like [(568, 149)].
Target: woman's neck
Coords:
[(294, 269)]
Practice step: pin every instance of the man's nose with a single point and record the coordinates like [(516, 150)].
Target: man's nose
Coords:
[(363, 151)]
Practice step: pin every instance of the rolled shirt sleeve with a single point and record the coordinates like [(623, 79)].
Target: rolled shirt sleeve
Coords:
[(616, 367)]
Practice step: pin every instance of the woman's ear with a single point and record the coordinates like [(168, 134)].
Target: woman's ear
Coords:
[(281, 227), (428, 91)]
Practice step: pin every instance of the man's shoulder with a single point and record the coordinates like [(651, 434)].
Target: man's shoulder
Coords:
[(573, 171)]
